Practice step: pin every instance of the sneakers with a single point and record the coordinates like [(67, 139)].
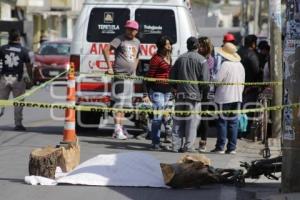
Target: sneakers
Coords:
[(20, 128), (125, 132), (186, 150), (156, 147), (119, 134), (202, 146), (233, 152), (160, 147), (202, 149), (168, 140), (167, 148), (217, 151)]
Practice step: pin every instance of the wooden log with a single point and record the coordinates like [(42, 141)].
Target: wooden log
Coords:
[(43, 161), (192, 170), (188, 175)]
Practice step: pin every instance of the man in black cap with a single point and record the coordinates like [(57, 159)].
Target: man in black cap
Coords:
[(190, 66), (13, 57), (253, 72)]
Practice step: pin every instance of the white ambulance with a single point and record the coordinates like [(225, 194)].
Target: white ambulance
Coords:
[(101, 21)]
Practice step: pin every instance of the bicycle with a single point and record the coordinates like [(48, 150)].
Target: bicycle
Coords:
[(262, 120), (266, 167)]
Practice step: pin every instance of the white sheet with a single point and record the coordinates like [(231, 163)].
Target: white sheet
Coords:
[(124, 169), (38, 180)]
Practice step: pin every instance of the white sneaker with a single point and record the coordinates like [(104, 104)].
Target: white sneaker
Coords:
[(125, 132), (118, 134)]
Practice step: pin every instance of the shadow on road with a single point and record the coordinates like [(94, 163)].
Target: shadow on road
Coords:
[(13, 180), (217, 192), (121, 145), (49, 130)]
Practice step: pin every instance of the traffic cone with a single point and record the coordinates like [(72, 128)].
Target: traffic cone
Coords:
[(69, 128)]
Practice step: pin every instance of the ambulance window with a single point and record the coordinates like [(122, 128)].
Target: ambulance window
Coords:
[(154, 23), (106, 23)]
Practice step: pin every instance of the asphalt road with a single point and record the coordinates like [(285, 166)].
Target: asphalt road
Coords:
[(43, 130)]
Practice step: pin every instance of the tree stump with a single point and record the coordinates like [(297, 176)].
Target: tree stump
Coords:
[(190, 171), (188, 175), (43, 161), (70, 157)]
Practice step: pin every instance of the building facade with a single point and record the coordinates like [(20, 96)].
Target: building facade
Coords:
[(49, 19)]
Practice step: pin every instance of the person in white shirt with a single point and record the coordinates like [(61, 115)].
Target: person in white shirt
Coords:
[(229, 97)]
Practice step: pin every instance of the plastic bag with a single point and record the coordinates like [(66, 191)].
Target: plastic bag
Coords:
[(243, 123)]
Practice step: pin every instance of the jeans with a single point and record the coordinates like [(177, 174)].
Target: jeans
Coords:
[(159, 101), (185, 126), (227, 126)]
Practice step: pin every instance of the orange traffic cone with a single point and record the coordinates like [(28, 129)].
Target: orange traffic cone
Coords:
[(69, 128)]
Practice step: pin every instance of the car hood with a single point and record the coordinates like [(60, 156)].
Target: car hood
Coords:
[(48, 60)]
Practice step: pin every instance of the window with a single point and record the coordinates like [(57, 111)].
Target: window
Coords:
[(3, 38), (55, 49), (154, 23), (106, 23)]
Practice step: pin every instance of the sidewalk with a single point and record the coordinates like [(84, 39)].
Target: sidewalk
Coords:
[(294, 196)]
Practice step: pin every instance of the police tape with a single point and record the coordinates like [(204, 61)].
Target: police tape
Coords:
[(36, 89), (64, 106), (149, 79)]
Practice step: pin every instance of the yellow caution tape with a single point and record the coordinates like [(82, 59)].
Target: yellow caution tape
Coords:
[(63, 106), (36, 89), (148, 79)]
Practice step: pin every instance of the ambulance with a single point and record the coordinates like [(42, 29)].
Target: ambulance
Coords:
[(100, 22)]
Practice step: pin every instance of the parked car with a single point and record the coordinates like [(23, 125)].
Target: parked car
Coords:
[(52, 59)]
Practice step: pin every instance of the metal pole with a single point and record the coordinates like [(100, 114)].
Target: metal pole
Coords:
[(291, 136), (256, 17), (276, 63), (245, 17)]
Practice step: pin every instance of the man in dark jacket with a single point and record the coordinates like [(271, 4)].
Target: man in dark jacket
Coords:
[(250, 59), (13, 57), (253, 72), (190, 66)]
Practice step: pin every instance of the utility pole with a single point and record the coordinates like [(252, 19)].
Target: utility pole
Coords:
[(291, 136), (245, 17), (256, 16), (276, 63)]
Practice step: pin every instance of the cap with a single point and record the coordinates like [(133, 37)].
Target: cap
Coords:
[(229, 38), (228, 51), (132, 24), (192, 43)]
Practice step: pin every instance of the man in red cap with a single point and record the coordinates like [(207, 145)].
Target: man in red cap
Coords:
[(229, 38), (126, 49)]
